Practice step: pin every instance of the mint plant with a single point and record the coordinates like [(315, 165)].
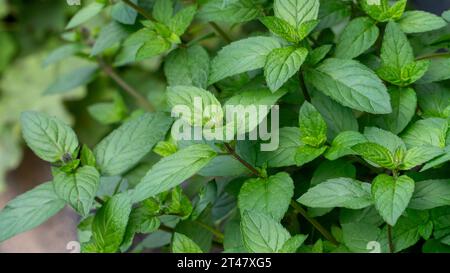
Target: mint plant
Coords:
[(356, 94)]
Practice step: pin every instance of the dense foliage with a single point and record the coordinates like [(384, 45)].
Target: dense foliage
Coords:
[(364, 105)]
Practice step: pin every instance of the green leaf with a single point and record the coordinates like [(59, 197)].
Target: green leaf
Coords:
[(431, 131), (141, 220), (123, 13), (61, 53), (285, 154), (84, 14), (163, 11), (109, 36), (313, 128), (433, 99), (333, 12), (318, 54), (282, 64), (343, 143), (29, 210), (76, 78), (431, 194), (78, 189), (351, 84), (420, 21), (384, 138), (87, 157), (338, 192), (48, 137), (153, 48), (296, 12), (358, 36), (404, 105), (293, 243), (438, 161), (382, 11), (338, 118), (437, 71), (183, 244), (181, 21), (173, 170), (357, 236), (242, 56), (187, 67), (270, 196), (405, 75), (281, 28), (396, 50), (187, 96), (109, 112), (332, 169), (127, 145), (306, 154), (109, 225), (420, 155), (232, 11), (262, 234), (375, 154), (392, 196)]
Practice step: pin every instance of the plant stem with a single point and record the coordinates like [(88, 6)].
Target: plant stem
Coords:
[(314, 223), (140, 10), (99, 200), (219, 235), (141, 100), (201, 38), (391, 243), (221, 32), (232, 152), (433, 56), (303, 87)]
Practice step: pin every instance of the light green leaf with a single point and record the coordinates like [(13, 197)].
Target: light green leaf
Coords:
[(404, 105), (61, 53), (293, 243), (343, 143), (183, 244), (332, 169), (306, 154), (181, 21), (384, 138), (358, 36), (29, 210), (84, 14), (382, 11), (431, 131), (109, 36), (48, 137), (187, 96), (392, 196), (375, 154), (128, 144), (419, 155), (438, 161), (163, 11), (351, 84), (282, 64), (437, 71), (420, 21), (285, 154), (396, 50), (231, 11), (109, 225), (338, 192), (173, 170), (270, 196), (313, 128), (187, 67), (431, 194), (281, 28), (296, 12), (262, 234), (153, 48), (318, 54), (123, 13), (338, 118), (242, 56), (76, 78), (78, 189), (433, 99)]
